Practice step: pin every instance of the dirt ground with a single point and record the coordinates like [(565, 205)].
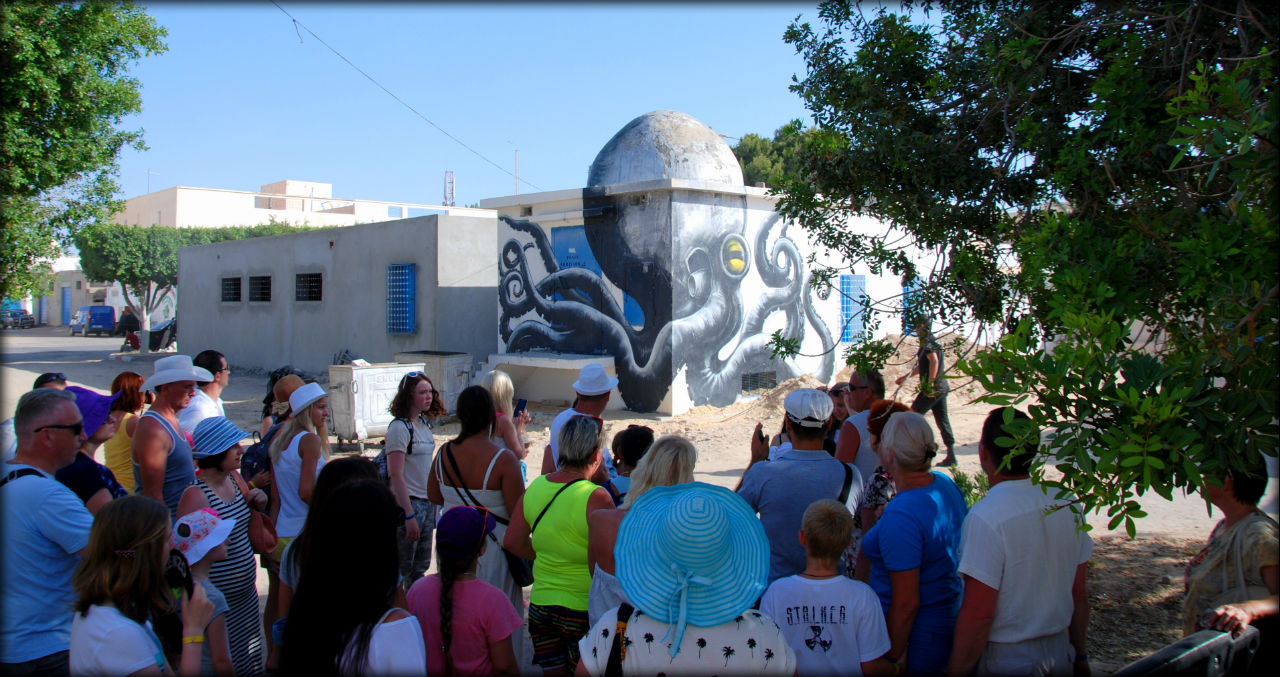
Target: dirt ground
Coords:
[(1136, 585)]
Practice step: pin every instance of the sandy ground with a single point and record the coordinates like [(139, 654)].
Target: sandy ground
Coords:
[(721, 436)]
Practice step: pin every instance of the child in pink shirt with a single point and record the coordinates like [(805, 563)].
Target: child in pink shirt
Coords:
[(465, 621)]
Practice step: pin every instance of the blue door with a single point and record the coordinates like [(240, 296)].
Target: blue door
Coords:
[(66, 306), (569, 243)]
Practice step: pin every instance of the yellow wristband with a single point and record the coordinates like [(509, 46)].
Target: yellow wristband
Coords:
[(193, 639)]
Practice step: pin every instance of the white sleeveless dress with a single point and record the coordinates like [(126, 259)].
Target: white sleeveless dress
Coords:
[(492, 567)]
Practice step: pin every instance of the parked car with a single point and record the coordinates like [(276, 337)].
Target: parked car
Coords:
[(100, 320), (18, 319)]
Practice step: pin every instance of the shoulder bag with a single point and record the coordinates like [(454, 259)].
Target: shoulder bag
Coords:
[(521, 569), (262, 529)]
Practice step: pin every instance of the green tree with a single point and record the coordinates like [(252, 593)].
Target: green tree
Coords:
[(144, 260), (64, 90), (1097, 184), (766, 160)]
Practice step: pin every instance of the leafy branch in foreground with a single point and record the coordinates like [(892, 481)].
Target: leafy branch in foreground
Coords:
[(1087, 188)]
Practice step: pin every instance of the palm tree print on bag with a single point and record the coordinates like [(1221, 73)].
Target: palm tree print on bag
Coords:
[(648, 640), (728, 653), (751, 644), (702, 644)]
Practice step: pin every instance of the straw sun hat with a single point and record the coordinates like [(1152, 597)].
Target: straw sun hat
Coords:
[(692, 554)]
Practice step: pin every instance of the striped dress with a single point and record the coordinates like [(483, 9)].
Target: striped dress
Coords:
[(236, 578)]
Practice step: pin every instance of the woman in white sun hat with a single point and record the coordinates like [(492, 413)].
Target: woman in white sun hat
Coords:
[(162, 464), (298, 452), (692, 559)]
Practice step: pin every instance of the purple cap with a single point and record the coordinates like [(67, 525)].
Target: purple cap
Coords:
[(462, 529), (94, 407)]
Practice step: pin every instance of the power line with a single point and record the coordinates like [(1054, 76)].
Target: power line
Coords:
[(298, 24)]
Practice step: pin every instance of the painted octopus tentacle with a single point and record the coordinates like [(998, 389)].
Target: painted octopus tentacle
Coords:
[(827, 366), (540, 240)]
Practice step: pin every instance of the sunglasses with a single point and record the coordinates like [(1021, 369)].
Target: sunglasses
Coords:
[(415, 374), (50, 378), (76, 428)]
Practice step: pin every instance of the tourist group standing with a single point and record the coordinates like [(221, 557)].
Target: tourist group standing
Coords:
[(841, 551)]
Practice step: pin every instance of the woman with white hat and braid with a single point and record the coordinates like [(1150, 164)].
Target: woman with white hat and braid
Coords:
[(692, 559)]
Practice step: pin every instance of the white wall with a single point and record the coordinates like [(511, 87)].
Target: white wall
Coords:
[(455, 292)]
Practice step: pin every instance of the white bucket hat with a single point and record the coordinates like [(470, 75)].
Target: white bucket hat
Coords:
[(304, 396), (593, 380), (176, 368), (808, 407)]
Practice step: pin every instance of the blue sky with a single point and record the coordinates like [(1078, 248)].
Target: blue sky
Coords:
[(239, 100)]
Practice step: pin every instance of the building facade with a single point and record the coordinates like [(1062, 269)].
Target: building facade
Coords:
[(426, 283)]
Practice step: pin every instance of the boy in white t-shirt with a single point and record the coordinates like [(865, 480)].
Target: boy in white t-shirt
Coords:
[(833, 623)]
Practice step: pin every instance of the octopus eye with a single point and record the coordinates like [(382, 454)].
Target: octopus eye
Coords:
[(733, 255)]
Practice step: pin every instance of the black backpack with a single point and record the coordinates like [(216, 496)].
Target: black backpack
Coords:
[(257, 457), (381, 459)]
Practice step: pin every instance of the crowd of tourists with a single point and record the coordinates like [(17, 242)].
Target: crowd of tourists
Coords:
[(841, 550)]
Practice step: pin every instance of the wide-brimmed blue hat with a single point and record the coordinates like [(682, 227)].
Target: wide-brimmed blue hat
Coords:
[(691, 554), (215, 435)]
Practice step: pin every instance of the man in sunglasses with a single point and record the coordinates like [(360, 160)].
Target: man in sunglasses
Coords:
[(45, 528), (854, 446), (8, 437), (206, 401), (592, 388)]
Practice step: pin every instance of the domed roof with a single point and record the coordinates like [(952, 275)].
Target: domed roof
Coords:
[(665, 144)]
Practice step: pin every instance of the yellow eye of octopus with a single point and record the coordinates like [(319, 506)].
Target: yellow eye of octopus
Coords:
[(734, 256)]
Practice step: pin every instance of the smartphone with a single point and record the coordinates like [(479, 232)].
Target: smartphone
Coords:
[(761, 435), (177, 574), (520, 406)]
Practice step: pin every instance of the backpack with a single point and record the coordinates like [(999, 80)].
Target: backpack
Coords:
[(257, 457), (381, 459)]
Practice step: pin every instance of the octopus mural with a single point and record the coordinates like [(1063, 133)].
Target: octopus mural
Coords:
[(678, 258)]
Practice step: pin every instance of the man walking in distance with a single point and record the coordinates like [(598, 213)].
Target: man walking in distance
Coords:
[(206, 401), (45, 529), (592, 387), (162, 464), (865, 388), (1024, 564), (933, 387)]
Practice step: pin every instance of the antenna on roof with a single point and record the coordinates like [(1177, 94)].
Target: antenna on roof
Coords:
[(448, 188)]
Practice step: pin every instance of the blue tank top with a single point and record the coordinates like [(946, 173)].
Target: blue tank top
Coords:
[(179, 467)]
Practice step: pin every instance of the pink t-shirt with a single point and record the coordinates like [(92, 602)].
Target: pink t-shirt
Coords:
[(482, 614)]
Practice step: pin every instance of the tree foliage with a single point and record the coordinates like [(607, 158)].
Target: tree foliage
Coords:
[(145, 260), (1097, 182), (64, 90), (766, 160)]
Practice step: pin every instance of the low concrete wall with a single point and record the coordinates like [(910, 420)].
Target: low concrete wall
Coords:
[(456, 296)]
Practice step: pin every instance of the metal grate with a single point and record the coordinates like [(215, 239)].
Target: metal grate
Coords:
[(853, 292), (260, 288), (402, 298), (308, 287), (230, 290), (761, 380)]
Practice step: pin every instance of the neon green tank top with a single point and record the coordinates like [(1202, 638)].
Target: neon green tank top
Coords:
[(560, 573)]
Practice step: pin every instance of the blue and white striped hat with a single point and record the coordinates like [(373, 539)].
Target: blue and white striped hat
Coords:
[(692, 554), (214, 435)]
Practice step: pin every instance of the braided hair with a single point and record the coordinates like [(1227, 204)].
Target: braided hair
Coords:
[(452, 565)]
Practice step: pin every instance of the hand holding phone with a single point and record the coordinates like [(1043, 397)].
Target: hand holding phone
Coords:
[(177, 575), (520, 407)]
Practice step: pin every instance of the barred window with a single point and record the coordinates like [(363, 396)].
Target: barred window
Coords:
[(853, 293), (761, 380), (260, 288), (230, 290), (402, 298), (308, 287)]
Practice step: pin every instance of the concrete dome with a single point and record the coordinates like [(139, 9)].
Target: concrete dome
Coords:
[(665, 144)]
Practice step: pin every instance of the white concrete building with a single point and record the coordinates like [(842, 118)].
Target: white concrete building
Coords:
[(298, 203), (426, 283)]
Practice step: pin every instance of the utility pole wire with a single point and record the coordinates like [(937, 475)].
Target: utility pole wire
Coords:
[(298, 24)]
